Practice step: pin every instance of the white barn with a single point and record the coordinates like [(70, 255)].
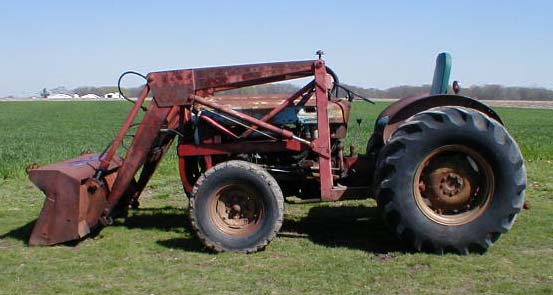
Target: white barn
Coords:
[(112, 95), (90, 96), (59, 96)]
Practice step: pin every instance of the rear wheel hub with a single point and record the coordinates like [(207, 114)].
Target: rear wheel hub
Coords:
[(453, 185)]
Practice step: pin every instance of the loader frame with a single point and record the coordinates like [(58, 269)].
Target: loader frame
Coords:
[(176, 92)]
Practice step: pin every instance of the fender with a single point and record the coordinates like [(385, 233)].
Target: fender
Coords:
[(395, 114)]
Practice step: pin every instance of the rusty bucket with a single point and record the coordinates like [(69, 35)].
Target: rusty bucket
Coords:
[(74, 201)]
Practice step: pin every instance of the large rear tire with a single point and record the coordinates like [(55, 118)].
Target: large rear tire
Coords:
[(450, 179), (236, 206)]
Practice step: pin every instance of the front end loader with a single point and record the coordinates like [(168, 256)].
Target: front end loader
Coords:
[(442, 167)]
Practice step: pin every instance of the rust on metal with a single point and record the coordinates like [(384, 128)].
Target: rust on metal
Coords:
[(263, 104), (213, 105), (321, 144), (219, 126), (139, 150), (73, 200), (84, 192), (453, 185), (174, 87), (403, 109), (239, 147), (106, 158), (236, 210), (277, 109)]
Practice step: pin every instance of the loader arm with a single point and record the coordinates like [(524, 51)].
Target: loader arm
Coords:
[(172, 89), (83, 193)]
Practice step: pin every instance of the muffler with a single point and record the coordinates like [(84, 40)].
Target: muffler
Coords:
[(75, 199)]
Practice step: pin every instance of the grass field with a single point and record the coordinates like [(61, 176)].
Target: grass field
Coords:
[(338, 248)]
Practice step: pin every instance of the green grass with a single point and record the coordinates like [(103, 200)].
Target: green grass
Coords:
[(340, 248)]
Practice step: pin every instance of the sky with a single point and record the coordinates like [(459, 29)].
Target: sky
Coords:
[(46, 44)]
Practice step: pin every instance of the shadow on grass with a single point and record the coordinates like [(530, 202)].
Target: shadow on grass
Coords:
[(356, 227), (21, 233), (187, 244), (166, 219)]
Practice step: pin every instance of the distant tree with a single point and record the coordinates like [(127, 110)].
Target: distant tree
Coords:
[(481, 92), (44, 93), (60, 89), (101, 91), (86, 90), (505, 92)]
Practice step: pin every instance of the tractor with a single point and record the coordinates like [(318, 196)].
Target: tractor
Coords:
[(442, 167)]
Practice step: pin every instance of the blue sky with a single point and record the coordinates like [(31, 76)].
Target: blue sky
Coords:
[(370, 44)]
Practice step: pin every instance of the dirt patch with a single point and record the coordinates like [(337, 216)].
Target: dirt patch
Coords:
[(548, 105), (385, 257), (4, 244), (419, 268), (527, 104)]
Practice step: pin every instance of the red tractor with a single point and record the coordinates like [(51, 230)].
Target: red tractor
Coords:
[(443, 168)]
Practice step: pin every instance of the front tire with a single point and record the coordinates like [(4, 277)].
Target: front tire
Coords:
[(450, 179), (236, 206)]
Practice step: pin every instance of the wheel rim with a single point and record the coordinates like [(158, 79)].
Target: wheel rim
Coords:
[(236, 210), (453, 185)]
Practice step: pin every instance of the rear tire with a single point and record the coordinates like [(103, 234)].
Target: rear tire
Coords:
[(236, 206), (450, 179)]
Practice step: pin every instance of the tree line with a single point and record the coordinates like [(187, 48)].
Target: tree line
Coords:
[(487, 92)]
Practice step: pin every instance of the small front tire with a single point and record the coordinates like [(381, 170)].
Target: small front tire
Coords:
[(236, 206)]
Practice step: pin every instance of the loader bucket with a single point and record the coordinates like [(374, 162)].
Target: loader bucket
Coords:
[(74, 199)]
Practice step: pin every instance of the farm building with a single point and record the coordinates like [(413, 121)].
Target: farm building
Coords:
[(59, 96), (112, 95), (90, 96)]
